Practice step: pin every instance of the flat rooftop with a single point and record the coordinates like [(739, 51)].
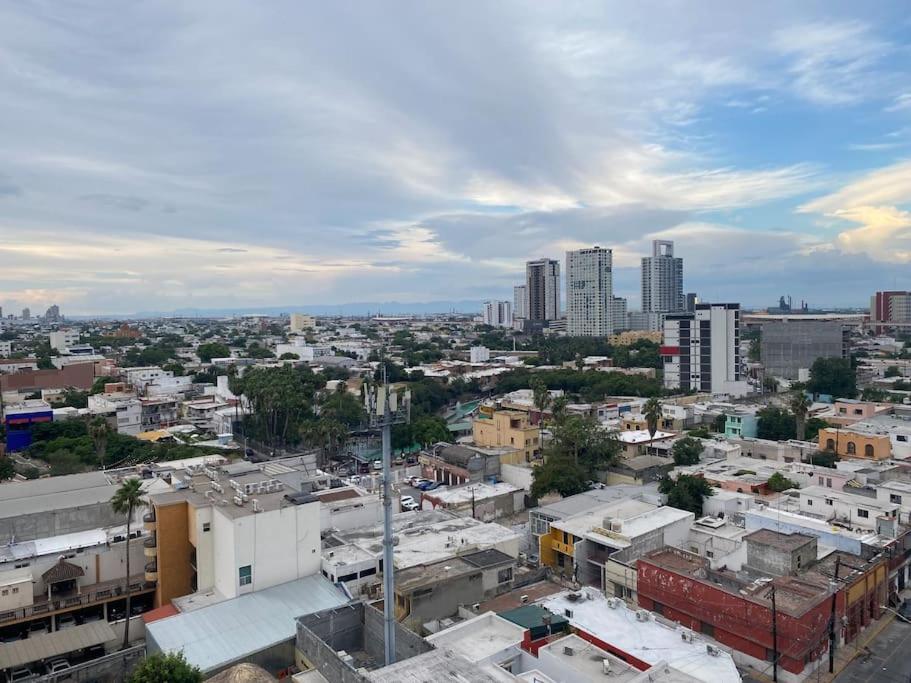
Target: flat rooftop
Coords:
[(54, 493), (649, 641), (465, 494), (480, 637), (779, 541)]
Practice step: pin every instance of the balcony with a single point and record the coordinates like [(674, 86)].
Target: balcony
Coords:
[(148, 519), (150, 546), (84, 596), (151, 571)]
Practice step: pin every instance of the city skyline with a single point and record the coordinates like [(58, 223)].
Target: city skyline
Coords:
[(219, 156)]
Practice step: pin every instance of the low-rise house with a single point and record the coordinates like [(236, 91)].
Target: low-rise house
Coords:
[(486, 502), (510, 429)]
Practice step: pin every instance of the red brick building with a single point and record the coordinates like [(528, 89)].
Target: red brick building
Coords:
[(75, 376), (735, 608)]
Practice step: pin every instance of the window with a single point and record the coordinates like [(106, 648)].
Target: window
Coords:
[(829, 482), (901, 437), (5, 591), (858, 411), (828, 501), (852, 449), (810, 502), (709, 554), (206, 526), (246, 575), (868, 450), (820, 481), (863, 513), (345, 578), (15, 590), (830, 444), (893, 498), (504, 575)]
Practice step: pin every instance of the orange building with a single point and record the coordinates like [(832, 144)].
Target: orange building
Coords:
[(510, 429), (847, 443)]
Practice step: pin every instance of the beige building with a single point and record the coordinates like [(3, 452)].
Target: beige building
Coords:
[(508, 428), (301, 322)]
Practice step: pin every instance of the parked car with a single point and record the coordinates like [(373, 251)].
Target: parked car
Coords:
[(377, 465), (23, 673), (424, 484), (433, 486), (65, 621), (409, 504), (57, 665)]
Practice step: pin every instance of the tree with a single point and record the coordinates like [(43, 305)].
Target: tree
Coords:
[(210, 350), (651, 411), (7, 469), (165, 668), (778, 483), (686, 451), (289, 356), (176, 368), (540, 398), (99, 431), (430, 429), (560, 474), (73, 398), (892, 371), (776, 424), (558, 408), (800, 405), (814, 424), (579, 448), (127, 499), (686, 492), (833, 376), (64, 461)]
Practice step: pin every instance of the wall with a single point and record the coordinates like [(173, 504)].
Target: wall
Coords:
[(78, 376), (174, 570), (516, 475), (839, 441), (779, 561), (224, 562), (204, 541)]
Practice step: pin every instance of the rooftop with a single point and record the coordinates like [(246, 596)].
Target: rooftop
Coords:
[(779, 541), (650, 641), (480, 637), (54, 493), (465, 494), (636, 436), (218, 635)]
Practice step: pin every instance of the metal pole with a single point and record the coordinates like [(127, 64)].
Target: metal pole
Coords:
[(832, 619), (774, 638), (388, 568)]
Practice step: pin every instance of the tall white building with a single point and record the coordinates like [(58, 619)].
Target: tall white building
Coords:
[(701, 350), (497, 313), (520, 302), (619, 318), (63, 340), (542, 282), (662, 280), (589, 292)]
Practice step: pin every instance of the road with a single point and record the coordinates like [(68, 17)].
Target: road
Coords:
[(889, 662)]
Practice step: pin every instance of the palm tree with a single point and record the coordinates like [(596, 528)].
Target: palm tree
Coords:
[(99, 430), (800, 406), (540, 398), (126, 500), (651, 411)]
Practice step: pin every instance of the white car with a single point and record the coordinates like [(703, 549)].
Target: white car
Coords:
[(57, 666), (409, 504), (21, 674)]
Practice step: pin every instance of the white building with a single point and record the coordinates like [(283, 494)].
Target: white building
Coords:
[(520, 302), (848, 509), (701, 350), (140, 377), (6, 348), (662, 280), (497, 313), (589, 292), (299, 348), (123, 410), (619, 317), (63, 339), (479, 354), (301, 322), (542, 282)]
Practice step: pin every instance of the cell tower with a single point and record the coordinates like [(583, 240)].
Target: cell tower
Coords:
[(385, 407)]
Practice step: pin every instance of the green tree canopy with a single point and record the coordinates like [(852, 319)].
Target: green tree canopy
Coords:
[(686, 492), (778, 483), (7, 469), (834, 376), (165, 668), (210, 350), (430, 429), (580, 446), (686, 451), (776, 424)]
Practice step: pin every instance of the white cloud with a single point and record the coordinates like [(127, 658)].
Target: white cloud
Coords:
[(888, 185)]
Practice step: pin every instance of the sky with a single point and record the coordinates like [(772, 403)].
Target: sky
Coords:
[(218, 153)]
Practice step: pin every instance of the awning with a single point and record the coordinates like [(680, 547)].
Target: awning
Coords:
[(36, 648), (63, 571)]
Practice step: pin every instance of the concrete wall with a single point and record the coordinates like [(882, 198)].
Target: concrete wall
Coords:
[(780, 561), (320, 636), (445, 599), (516, 475), (407, 644), (58, 522)]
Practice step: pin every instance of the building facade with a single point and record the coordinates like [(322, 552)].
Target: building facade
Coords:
[(789, 347), (701, 350), (890, 308), (510, 429), (497, 313), (589, 292), (662, 280), (542, 283)]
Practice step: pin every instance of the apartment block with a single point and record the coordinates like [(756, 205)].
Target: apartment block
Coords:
[(589, 292), (510, 429), (542, 283), (788, 348), (662, 280)]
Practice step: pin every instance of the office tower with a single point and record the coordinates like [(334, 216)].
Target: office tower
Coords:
[(26, 314), (789, 347), (619, 318), (300, 322), (589, 293), (520, 302), (52, 314), (890, 309), (691, 301), (662, 280), (701, 350), (497, 313), (542, 282)]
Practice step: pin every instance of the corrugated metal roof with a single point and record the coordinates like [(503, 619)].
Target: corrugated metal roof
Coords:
[(47, 645), (213, 637)]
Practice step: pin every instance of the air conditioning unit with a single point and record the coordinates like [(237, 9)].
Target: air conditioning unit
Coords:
[(613, 603), (712, 650), (616, 526), (642, 615), (238, 501), (687, 635), (476, 607), (605, 667)]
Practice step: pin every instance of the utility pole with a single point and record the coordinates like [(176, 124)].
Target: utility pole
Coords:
[(832, 619), (388, 568), (472, 504), (774, 638)]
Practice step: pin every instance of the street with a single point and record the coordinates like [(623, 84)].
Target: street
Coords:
[(889, 662)]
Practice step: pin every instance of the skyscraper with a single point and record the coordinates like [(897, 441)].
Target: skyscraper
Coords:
[(662, 280), (53, 313), (520, 302), (701, 350), (542, 282), (589, 292), (26, 314)]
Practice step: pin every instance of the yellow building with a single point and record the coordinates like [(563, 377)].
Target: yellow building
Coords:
[(509, 429), (850, 444), (631, 336), (556, 549)]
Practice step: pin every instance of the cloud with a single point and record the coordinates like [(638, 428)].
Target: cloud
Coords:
[(888, 185), (117, 201), (7, 188), (902, 103)]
